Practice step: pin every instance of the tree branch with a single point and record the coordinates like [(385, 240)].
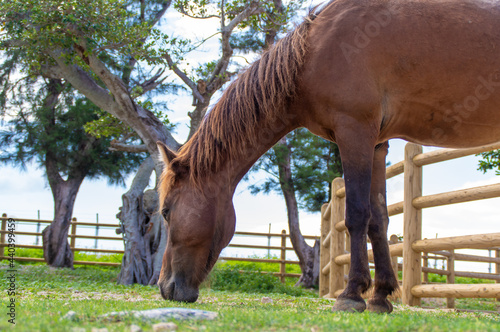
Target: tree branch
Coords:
[(161, 12), (53, 72), (13, 43), (151, 83), (119, 146), (252, 9), (215, 81), (183, 77)]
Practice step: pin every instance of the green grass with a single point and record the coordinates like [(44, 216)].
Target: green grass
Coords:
[(79, 256), (45, 295), (226, 277)]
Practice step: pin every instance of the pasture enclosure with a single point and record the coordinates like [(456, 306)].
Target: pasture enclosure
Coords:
[(283, 238), (335, 253)]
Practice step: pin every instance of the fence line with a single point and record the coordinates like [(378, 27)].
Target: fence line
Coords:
[(414, 249), (73, 235)]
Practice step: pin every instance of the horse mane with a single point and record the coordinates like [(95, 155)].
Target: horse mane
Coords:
[(256, 97)]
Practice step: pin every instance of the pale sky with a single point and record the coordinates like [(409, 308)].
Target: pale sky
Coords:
[(23, 194)]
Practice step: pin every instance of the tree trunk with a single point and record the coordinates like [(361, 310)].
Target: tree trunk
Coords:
[(200, 110), (56, 249), (308, 256), (144, 233)]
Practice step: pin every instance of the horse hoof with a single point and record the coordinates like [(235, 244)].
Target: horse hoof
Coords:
[(379, 306), (349, 305)]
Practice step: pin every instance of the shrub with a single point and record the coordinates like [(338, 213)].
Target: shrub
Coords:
[(227, 277)]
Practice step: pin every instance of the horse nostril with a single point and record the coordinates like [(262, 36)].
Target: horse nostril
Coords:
[(167, 292), (171, 290)]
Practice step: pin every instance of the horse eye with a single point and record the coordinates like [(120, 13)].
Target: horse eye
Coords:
[(165, 212)]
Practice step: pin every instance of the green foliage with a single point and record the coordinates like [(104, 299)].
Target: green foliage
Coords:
[(228, 278), (315, 162), (120, 33), (458, 280), (261, 266), (95, 25), (490, 161), (36, 132)]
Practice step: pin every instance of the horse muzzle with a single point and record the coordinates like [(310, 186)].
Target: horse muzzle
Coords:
[(176, 289)]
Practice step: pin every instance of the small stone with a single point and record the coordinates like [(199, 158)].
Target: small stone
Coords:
[(162, 327), (78, 329), (95, 329), (266, 299), (135, 328), (71, 315)]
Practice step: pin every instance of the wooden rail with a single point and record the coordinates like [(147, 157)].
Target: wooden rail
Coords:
[(334, 240), (283, 248)]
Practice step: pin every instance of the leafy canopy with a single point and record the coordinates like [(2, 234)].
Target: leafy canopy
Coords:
[(490, 161), (96, 25), (34, 132)]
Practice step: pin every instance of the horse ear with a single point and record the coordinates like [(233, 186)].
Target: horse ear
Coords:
[(166, 154)]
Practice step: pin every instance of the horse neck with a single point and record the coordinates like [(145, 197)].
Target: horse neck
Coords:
[(268, 134)]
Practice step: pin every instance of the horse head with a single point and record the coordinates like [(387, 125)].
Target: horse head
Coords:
[(200, 222)]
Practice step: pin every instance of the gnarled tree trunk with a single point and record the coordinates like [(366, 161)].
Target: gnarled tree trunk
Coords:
[(144, 232)]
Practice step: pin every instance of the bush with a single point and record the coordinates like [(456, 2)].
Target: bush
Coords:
[(227, 277)]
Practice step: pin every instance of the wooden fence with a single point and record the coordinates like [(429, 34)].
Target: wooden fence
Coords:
[(73, 235), (335, 257)]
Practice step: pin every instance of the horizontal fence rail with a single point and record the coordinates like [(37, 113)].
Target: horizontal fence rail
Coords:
[(335, 256)]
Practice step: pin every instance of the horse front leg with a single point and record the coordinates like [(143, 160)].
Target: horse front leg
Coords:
[(385, 280), (357, 163)]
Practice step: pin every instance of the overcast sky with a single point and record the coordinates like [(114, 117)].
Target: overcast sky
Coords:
[(23, 194)]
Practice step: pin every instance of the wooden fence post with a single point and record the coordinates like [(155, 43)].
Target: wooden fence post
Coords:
[(283, 256), (324, 252), (497, 266), (450, 278), (347, 249), (425, 263), (337, 239), (412, 228), (73, 233), (2, 237), (394, 239)]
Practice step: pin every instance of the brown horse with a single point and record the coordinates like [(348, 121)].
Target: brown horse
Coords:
[(357, 73)]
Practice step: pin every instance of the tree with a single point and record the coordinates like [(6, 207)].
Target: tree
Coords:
[(490, 161), (113, 53), (301, 167), (47, 128)]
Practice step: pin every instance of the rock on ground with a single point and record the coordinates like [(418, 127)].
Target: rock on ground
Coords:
[(135, 328), (164, 313), (71, 315)]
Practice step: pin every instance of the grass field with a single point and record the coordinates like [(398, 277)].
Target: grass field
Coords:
[(44, 295)]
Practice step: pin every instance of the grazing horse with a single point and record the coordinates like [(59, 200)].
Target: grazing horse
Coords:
[(357, 73)]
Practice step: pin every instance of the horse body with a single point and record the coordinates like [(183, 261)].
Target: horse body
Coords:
[(359, 73), (424, 71)]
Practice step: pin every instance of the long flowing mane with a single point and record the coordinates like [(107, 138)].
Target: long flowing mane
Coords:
[(257, 96)]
